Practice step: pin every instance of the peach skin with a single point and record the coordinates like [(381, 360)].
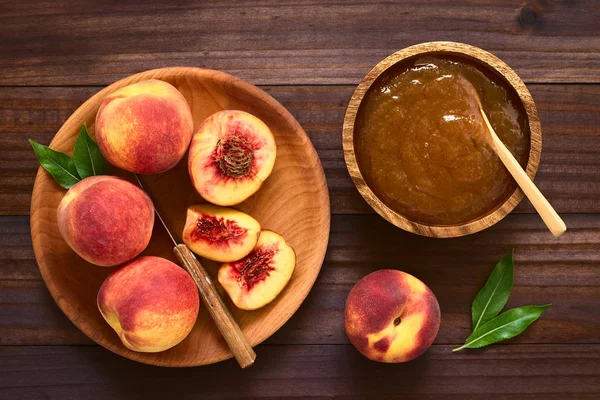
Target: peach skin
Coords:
[(391, 316), (150, 302), (231, 155), (106, 220), (145, 127)]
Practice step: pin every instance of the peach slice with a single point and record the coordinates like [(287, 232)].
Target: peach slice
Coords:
[(231, 155), (220, 233), (255, 280)]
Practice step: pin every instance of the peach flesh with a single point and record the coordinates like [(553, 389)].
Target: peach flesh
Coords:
[(216, 230), (258, 278), (391, 316), (231, 155), (106, 220), (150, 302), (220, 233), (145, 127)]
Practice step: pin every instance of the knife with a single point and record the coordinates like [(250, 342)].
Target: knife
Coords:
[(233, 335)]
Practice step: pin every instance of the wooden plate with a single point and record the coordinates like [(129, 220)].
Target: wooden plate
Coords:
[(293, 202)]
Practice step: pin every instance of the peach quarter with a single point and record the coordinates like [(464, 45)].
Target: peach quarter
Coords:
[(220, 233), (231, 155), (106, 220), (391, 316), (257, 279), (145, 127), (150, 302)]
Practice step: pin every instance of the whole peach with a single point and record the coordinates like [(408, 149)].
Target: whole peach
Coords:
[(391, 316), (106, 220), (150, 302), (145, 127)]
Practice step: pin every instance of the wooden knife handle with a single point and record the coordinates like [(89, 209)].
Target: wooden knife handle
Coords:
[(230, 330)]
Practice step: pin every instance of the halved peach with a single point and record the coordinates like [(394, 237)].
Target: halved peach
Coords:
[(258, 278), (220, 233), (231, 155)]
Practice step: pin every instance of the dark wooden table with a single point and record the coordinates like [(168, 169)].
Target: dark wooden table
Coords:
[(310, 55)]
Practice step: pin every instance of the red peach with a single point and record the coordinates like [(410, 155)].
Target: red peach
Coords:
[(150, 302), (145, 127), (391, 316), (106, 220)]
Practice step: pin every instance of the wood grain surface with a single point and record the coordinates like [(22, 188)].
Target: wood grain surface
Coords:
[(290, 41), (310, 55), (550, 372)]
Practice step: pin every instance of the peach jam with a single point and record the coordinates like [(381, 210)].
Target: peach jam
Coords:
[(421, 144)]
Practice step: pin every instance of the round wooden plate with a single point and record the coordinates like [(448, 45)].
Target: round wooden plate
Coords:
[(294, 202)]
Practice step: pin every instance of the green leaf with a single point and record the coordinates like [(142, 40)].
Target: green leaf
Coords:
[(88, 159), (505, 326), (493, 296), (58, 164)]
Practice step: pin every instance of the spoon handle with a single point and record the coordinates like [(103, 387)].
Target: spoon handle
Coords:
[(552, 220)]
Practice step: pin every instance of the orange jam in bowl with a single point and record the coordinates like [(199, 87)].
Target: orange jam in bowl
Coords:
[(420, 142)]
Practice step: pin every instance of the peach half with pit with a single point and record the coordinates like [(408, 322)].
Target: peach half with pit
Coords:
[(145, 127), (220, 233), (150, 302), (231, 155), (257, 279), (391, 316), (106, 220)]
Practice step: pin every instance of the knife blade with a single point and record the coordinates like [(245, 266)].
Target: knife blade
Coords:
[(233, 335)]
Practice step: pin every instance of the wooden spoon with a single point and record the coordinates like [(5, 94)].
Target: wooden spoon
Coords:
[(552, 220)]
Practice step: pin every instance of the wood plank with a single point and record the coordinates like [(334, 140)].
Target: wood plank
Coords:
[(569, 173), (549, 372), (559, 271), (286, 42)]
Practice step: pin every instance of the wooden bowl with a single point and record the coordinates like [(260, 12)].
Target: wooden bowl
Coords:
[(487, 61), (293, 201)]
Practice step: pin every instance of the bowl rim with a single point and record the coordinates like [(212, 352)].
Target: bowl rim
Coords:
[(488, 60)]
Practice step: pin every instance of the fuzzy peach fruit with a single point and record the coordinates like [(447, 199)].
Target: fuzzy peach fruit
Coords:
[(145, 127), (220, 233), (231, 155), (391, 316), (254, 281), (150, 302), (106, 220)]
